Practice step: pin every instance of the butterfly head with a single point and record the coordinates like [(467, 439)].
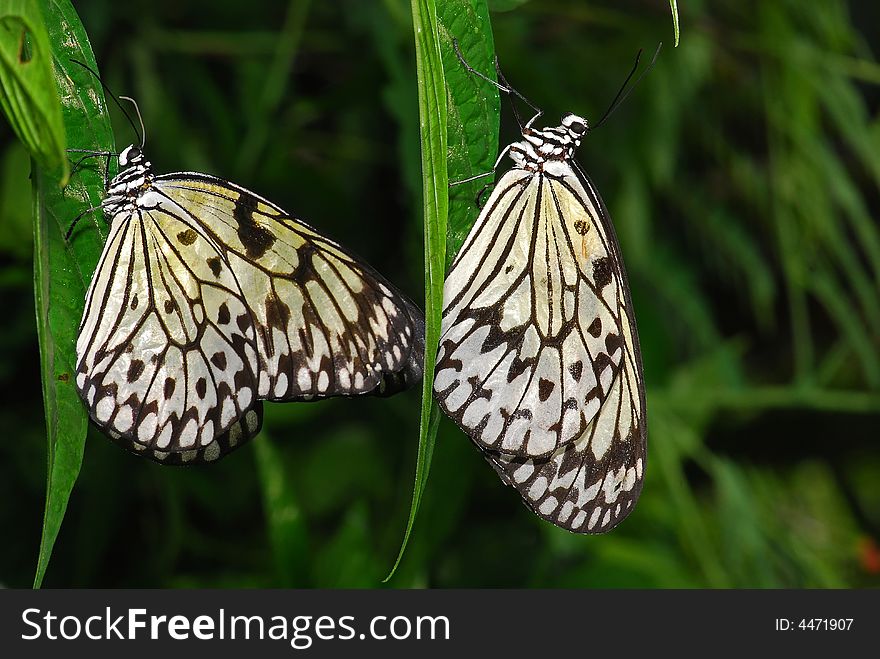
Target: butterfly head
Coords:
[(132, 156), (575, 126)]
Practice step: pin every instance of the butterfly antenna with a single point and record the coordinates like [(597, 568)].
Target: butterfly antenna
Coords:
[(111, 95), (626, 89), (140, 118)]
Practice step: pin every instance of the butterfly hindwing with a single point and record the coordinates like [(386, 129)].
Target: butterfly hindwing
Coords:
[(239, 433), (591, 484)]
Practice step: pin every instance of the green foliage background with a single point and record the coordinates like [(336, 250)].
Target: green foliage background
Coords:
[(743, 179)]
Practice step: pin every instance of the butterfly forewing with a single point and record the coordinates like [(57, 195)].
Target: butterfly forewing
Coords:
[(530, 343), (326, 324)]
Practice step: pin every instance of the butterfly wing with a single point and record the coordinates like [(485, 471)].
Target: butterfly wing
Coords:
[(239, 433), (541, 274), (531, 341), (166, 353), (326, 323)]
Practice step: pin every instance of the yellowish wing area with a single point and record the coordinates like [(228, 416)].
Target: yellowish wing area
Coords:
[(326, 324)]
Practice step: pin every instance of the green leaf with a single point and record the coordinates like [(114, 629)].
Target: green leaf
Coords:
[(459, 128), (473, 109), (28, 97), (673, 7), (432, 120), (63, 269), (287, 529)]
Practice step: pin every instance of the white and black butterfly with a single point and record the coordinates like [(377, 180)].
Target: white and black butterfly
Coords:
[(208, 299), (539, 358)]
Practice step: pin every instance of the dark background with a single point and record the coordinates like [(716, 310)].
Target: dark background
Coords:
[(742, 177)]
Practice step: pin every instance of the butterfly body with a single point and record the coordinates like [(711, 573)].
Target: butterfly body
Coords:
[(539, 360), (209, 299)]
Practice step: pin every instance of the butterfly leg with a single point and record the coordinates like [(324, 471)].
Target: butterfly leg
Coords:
[(491, 172), (538, 111), (91, 154)]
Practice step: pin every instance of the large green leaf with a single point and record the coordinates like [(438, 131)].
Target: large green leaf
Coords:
[(472, 112), (27, 96), (62, 268)]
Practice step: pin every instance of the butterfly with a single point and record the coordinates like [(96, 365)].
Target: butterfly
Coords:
[(539, 359), (208, 299)]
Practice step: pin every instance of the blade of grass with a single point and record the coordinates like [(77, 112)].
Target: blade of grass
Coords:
[(673, 7), (63, 269), (459, 128), (432, 113), (27, 96)]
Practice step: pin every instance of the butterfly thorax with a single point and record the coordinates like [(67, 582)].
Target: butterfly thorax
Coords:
[(540, 146), (134, 178)]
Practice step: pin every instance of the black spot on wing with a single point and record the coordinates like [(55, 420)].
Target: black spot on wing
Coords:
[(187, 237), (277, 312), (545, 388), (135, 369), (219, 360), (517, 368), (304, 269), (256, 239), (602, 272), (223, 316), (244, 323), (215, 265), (612, 343)]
